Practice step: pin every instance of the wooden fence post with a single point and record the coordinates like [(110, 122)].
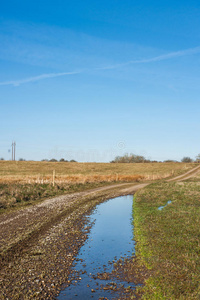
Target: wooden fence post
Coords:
[(54, 174)]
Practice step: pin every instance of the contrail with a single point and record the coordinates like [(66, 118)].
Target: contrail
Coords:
[(115, 66), (37, 78), (155, 59)]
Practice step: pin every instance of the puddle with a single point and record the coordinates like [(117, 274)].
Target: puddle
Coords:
[(110, 239), (161, 207)]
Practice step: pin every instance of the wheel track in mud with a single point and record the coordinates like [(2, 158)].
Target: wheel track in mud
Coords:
[(65, 205)]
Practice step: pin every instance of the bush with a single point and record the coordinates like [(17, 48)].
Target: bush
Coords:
[(187, 159), (130, 158), (198, 158), (63, 160)]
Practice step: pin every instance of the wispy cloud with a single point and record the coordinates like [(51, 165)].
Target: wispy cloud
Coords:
[(37, 78), (163, 57), (167, 56)]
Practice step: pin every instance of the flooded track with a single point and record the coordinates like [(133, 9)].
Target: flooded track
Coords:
[(40, 243), (110, 238)]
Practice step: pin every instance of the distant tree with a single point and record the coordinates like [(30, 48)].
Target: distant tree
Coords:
[(170, 161), (21, 159), (198, 158), (2, 158), (53, 160), (72, 160), (63, 160), (187, 159), (130, 158), (149, 161), (45, 159)]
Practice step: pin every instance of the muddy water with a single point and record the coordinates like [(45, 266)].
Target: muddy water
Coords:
[(110, 239)]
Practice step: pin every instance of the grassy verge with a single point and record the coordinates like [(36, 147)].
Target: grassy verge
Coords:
[(168, 240), (17, 194)]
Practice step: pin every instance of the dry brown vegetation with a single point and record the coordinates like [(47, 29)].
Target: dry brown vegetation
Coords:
[(41, 172), (24, 182)]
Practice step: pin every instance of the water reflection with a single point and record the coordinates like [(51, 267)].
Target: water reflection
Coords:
[(161, 207), (110, 238)]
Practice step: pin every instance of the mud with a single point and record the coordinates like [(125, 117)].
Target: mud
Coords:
[(39, 244)]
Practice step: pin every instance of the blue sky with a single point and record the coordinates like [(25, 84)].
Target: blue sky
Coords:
[(91, 80)]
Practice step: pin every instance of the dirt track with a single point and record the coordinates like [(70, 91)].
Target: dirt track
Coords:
[(46, 228), (35, 239), (19, 224), (41, 210), (186, 175)]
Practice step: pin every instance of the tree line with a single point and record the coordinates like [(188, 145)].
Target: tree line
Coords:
[(128, 158), (133, 158), (48, 160)]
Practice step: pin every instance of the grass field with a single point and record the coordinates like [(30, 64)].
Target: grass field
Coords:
[(23, 182), (168, 240), (87, 172)]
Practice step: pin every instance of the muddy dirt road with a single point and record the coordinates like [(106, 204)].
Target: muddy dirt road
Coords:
[(38, 243), (20, 225), (35, 260)]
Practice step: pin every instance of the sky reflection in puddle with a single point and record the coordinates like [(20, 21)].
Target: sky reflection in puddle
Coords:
[(161, 207), (110, 238)]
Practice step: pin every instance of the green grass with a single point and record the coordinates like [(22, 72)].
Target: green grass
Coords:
[(168, 241), (16, 195)]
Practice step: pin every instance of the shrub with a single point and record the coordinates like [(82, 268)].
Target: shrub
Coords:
[(130, 158), (198, 158), (187, 159)]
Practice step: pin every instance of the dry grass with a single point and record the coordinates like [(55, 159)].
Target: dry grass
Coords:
[(22, 183), (41, 172)]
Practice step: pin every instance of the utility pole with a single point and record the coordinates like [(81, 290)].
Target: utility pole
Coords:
[(14, 150)]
